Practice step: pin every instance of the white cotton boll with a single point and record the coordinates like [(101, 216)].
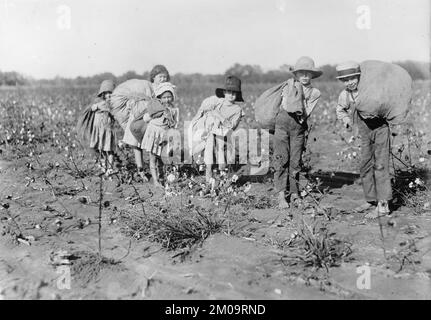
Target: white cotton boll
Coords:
[(171, 178), (419, 182)]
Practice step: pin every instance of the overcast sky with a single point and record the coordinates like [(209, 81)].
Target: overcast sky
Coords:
[(37, 37)]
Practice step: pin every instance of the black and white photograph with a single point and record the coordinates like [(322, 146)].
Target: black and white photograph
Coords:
[(215, 156)]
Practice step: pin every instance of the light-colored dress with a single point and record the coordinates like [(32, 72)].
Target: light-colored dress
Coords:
[(103, 137), (206, 128), (155, 138)]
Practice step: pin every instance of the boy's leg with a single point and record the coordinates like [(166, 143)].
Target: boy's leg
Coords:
[(281, 157), (297, 140), (367, 162), (381, 167)]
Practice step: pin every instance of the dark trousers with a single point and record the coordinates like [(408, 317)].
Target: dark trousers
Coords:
[(288, 147), (375, 151)]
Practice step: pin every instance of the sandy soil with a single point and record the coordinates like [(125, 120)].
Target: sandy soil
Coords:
[(36, 226)]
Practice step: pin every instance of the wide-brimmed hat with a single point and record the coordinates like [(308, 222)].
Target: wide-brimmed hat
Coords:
[(232, 83), (348, 69), (106, 86), (163, 87), (307, 64)]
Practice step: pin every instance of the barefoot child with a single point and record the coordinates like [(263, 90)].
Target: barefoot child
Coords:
[(299, 99), (220, 114), (160, 118), (103, 137), (375, 148), (159, 74)]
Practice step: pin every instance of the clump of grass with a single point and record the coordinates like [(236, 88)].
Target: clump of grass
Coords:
[(174, 230), (86, 266), (313, 245), (411, 189)]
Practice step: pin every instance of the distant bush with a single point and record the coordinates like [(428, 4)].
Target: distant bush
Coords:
[(247, 73)]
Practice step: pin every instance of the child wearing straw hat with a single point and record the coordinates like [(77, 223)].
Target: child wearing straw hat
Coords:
[(375, 144), (220, 114), (299, 98), (160, 117), (103, 137)]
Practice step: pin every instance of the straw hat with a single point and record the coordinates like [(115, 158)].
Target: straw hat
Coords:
[(348, 69), (106, 86), (307, 64), (232, 83)]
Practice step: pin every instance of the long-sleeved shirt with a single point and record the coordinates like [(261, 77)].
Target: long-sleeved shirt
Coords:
[(346, 103), (310, 98)]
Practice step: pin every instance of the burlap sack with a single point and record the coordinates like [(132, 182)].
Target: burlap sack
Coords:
[(267, 106), (384, 90), (130, 95), (138, 126)]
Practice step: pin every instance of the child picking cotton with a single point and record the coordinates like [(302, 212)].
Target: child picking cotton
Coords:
[(217, 117), (299, 98), (102, 136), (375, 142), (161, 116)]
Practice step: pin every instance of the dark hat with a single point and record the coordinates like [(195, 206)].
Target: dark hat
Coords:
[(232, 83)]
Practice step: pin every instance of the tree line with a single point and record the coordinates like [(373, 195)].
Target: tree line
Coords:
[(248, 73)]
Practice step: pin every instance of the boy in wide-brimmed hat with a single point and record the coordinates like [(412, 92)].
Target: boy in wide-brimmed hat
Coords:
[(375, 144), (220, 114), (299, 98)]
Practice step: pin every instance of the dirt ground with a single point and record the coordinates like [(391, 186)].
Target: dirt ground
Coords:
[(36, 226)]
